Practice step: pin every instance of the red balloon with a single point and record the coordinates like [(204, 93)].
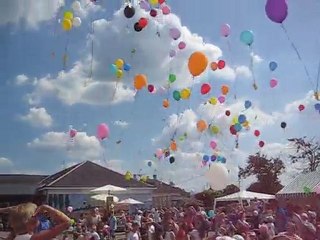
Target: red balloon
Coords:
[(233, 130), (153, 13), (257, 133), (228, 113), (205, 88), (301, 107), (150, 88), (221, 64), (161, 1), (261, 144), (143, 22)]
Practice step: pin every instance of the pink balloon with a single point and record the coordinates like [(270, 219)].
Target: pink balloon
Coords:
[(165, 10), (174, 33), (213, 144), (182, 45), (225, 30), (159, 153), (273, 83), (221, 99), (102, 131), (72, 133), (70, 209)]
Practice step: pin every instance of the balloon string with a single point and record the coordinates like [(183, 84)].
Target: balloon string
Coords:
[(65, 55), (316, 93), (92, 48), (252, 68), (298, 54)]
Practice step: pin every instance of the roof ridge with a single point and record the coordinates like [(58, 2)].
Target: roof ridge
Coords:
[(71, 170)]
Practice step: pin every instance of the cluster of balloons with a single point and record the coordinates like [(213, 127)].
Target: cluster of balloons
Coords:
[(154, 6), (165, 153), (69, 21), (213, 158), (238, 123), (218, 65), (129, 176), (118, 67)]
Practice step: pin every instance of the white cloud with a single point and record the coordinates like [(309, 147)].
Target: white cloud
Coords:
[(256, 58), (243, 71), (121, 124), (38, 117), (81, 148), (5, 162), (21, 80)]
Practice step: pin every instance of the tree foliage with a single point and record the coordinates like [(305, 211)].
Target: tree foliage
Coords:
[(307, 152), (267, 172)]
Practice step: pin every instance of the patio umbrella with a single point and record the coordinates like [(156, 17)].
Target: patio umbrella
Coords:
[(103, 197), (130, 201), (108, 189)]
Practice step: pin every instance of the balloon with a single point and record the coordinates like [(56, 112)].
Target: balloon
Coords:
[(143, 22), (77, 22), (72, 133), (102, 131), (185, 93), (213, 100), (174, 33), (273, 66), (161, 1), (149, 164), (238, 127), (221, 99), (234, 120), (242, 118), (172, 53), (182, 45), (213, 144), (261, 144), (68, 15), (257, 133), (140, 81), (273, 83), (126, 67), (224, 89), (113, 68), (128, 176), (172, 77), (154, 2), (215, 129), (205, 158), (233, 130), (165, 10), (213, 158), (150, 88), (221, 64), (217, 176), (153, 13), (301, 107), (176, 95), (76, 6), (119, 73), (66, 24), (214, 66), (145, 5), (276, 10), (202, 125), (70, 209), (159, 153), (283, 125), (171, 159), (173, 145), (198, 62), (245, 124), (119, 63), (247, 37), (205, 88), (228, 113), (317, 106), (137, 27), (225, 30), (247, 104), (129, 11), (165, 103)]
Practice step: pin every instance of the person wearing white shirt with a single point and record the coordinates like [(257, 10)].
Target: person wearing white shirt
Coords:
[(134, 233)]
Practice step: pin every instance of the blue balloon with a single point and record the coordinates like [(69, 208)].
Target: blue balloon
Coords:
[(223, 160), (273, 66), (219, 159), (242, 118), (317, 106), (211, 214), (213, 158), (149, 163), (126, 67), (113, 68), (238, 127), (247, 37), (206, 158), (247, 104)]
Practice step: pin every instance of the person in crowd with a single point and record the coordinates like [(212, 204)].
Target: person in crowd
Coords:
[(94, 234), (134, 232), (291, 232), (150, 229), (138, 217), (113, 225), (308, 229)]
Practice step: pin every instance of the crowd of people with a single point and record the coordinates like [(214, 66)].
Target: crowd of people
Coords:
[(257, 221)]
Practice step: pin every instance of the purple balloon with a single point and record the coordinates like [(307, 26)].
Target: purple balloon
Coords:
[(277, 10), (172, 53), (145, 5), (175, 33)]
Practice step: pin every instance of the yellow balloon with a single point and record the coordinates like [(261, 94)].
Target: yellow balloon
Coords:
[(66, 24), (119, 63), (119, 73), (234, 120), (154, 2), (185, 93), (213, 101), (245, 124), (68, 15), (215, 129)]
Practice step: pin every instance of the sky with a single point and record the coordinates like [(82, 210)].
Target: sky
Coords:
[(41, 97)]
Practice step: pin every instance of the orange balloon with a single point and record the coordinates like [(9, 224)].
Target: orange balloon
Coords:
[(202, 125), (173, 146), (198, 62), (224, 89), (165, 103), (140, 81), (214, 66)]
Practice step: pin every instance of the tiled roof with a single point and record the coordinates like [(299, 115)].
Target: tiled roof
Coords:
[(164, 188), (299, 184)]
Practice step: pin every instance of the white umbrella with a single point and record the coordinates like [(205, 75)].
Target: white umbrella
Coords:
[(130, 201), (103, 197), (108, 188)]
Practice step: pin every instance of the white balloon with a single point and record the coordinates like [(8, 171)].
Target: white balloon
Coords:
[(76, 6), (217, 176), (76, 22)]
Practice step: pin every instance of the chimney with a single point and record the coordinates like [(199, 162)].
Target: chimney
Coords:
[(154, 176)]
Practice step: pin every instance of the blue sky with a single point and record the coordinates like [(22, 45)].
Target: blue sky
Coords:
[(39, 102)]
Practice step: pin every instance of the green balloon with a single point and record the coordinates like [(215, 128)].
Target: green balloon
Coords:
[(172, 77), (176, 95)]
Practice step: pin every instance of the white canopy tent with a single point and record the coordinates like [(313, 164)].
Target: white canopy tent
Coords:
[(103, 197), (108, 189), (130, 201), (243, 195)]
